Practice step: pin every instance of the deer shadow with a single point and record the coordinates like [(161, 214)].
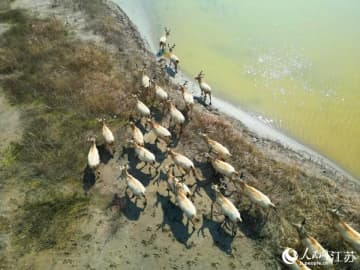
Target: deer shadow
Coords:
[(252, 225), (170, 71), (105, 155), (89, 179), (173, 216), (221, 238), (201, 101), (132, 211), (209, 175), (160, 53)]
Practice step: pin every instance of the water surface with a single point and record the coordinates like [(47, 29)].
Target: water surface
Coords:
[(294, 63)]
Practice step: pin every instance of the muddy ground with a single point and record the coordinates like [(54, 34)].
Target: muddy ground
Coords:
[(57, 216)]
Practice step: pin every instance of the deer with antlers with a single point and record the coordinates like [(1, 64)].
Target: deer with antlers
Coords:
[(174, 60), (204, 87), (162, 41), (188, 98)]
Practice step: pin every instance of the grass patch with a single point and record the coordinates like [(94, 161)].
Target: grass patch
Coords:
[(9, 156), (46, 224), (63, 85), (12, 15)]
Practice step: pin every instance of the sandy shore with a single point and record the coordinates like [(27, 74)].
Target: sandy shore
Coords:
[(97, 237)]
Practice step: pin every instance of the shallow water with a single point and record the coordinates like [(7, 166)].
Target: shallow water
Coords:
[(294, 64)]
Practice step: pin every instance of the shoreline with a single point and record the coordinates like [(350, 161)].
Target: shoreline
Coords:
[(135, 13)]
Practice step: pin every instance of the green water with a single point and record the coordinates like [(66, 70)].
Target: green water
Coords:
[(295, 62)]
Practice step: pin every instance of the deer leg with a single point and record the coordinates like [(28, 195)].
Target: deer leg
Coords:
[(145, 201), (233, 229), (181, 129), (221, 224), (212, 210), (192, 223)]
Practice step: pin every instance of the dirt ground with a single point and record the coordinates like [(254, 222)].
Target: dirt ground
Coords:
[(122, 234)]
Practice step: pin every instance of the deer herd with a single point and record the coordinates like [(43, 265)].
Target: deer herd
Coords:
[(217, 155)]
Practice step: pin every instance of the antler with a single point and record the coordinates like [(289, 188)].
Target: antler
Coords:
[(172, 47), (201, 74)]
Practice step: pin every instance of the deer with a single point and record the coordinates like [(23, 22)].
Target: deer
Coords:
[(162, 41), (108, 137), (313, 246), (160, 132), (174, 60), (204, 87), (145, 79), (160, 93), (172, 181), (290, 258), (144, 155), (137, 135), (228, 209), (141, 108), (176, 116), (182, 162), (221, 151), (135, 186), (256, 197), (222, 167), (93, 155), (185, 204), (188, 98), (347, 233)]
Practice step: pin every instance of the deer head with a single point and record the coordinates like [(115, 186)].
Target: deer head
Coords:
[(200, 76), (167, 31), (172, 47)]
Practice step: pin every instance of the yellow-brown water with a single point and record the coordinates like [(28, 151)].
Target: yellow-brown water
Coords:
[(296, 63)]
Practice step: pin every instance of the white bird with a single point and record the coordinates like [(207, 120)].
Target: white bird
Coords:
[(93, 155), (216, 147), (136, 187), (137, 135), (185, 204), (182, 162), (347, 233), (228, 209), (204, 87), (313, 246), (162, 41)]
